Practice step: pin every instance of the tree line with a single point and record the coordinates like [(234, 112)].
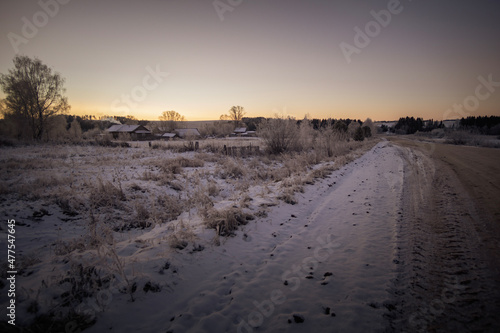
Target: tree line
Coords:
[(489, 125), (411, 125)]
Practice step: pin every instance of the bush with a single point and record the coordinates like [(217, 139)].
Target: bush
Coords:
[(330, 143), (457, 138), (280, 134), (367, 131), (359, 134)]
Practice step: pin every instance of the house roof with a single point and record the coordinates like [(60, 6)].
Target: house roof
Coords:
[(240, 130), (169, 135), (182, 132), (129, 129)]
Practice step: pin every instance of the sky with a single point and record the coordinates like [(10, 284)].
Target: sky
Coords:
[(323, 59)]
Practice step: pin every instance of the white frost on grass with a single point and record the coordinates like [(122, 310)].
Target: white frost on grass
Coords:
[(327, 260), (204, 287)]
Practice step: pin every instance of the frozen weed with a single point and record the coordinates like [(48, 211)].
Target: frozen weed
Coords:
[(208, 157), (84, 282), (182, 235), (201, 199), (141, 215), (225, 222), (168, 208), (62, 248), (176, 185), (212, 189), (134, 187), (105, 194), (245, 199), (288, 196), (231, 168)]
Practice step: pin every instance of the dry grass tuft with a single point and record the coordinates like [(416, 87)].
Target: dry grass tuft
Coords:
[(288, 196), (231, 168), (225, 222), (167, 208), (183, 235), (105, 194)]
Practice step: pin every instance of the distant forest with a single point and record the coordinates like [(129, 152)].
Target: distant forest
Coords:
[(252, 123), (485, 125), (489, 125)]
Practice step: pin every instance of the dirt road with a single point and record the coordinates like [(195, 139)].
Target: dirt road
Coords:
[(449, 240)]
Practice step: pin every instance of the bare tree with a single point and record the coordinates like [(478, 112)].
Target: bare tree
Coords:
[(34, 94), (131, 120), (235, 114), (170, 119)]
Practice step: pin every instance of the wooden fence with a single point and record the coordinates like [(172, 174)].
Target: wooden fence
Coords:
[(241, 151)]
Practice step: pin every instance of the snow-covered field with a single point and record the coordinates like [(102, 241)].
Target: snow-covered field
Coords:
[(326, 261), (100, 229), (387, 236)]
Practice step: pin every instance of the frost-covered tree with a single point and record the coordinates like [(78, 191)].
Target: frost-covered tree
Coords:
[(235, 114), (170, 120)]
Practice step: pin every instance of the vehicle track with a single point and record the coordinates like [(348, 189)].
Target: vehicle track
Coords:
[(446, 280)]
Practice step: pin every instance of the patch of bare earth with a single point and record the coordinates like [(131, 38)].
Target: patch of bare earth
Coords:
[(448, 240)]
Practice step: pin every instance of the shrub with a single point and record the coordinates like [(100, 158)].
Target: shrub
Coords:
[(280, 134), (331, 143), (457, 138), (359, 134), (367, 131)]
